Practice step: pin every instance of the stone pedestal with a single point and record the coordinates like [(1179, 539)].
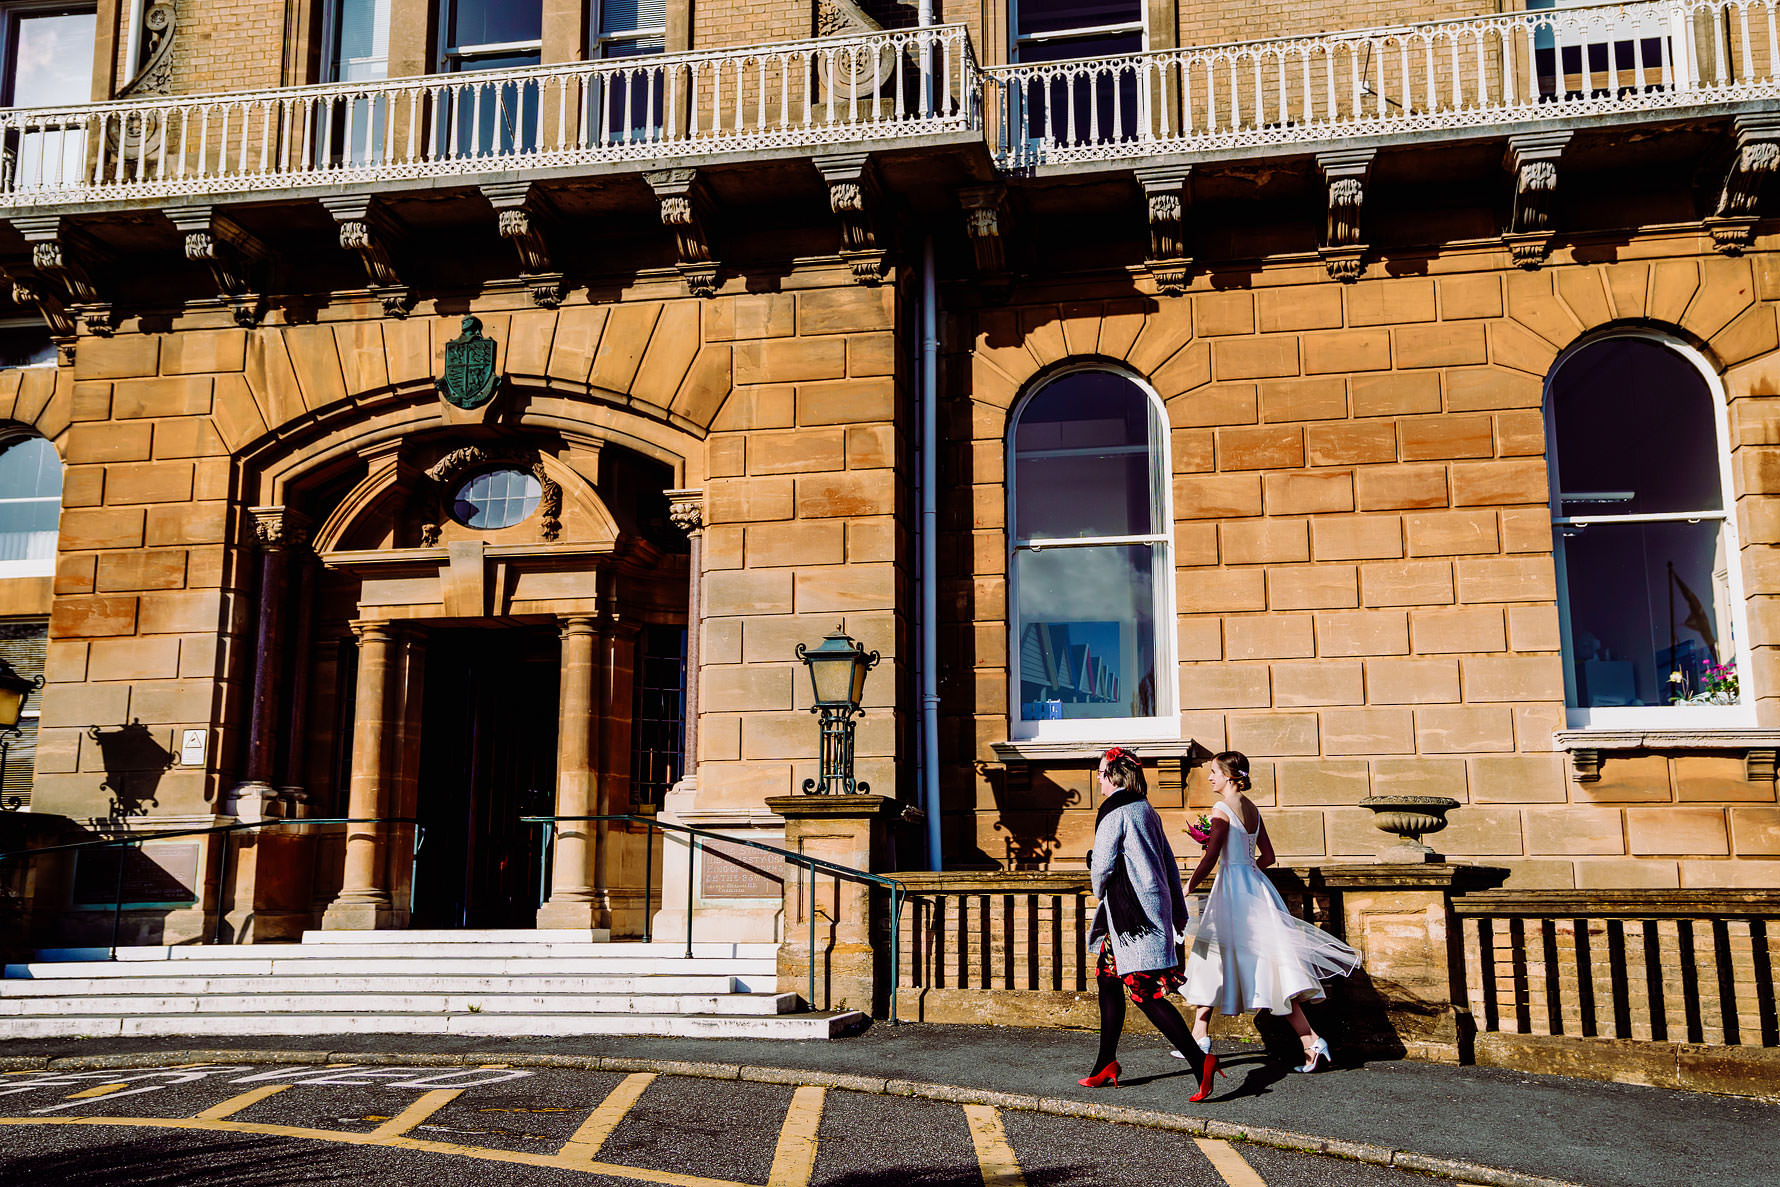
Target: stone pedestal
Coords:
[(1409, 995), (846, 830), (717, 912)]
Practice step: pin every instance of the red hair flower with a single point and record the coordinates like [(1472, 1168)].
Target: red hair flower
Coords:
[(1114, 753)]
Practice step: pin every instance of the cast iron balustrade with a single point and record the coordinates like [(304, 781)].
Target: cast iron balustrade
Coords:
[(787, 96), (1442, 76)]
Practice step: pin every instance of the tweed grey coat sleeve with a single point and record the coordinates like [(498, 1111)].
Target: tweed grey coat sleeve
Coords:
[(1134, 835)]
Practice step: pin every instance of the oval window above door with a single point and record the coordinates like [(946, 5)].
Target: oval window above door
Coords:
[(496, 498)]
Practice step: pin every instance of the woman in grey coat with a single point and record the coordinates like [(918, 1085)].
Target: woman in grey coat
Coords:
[(1140, 919)]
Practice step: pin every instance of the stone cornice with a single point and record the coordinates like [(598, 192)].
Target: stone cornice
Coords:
[(1761, 747), (1029, 750)]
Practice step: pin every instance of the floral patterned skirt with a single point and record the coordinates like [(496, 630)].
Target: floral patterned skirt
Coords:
[(1146, 985)]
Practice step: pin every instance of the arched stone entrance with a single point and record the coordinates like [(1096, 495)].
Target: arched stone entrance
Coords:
[(456, 649)]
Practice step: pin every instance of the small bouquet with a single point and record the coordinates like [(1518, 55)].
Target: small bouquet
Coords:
[(1200, 828)]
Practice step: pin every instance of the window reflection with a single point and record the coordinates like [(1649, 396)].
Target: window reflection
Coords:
[(1641, 533), (30, 505), (1090, 551)]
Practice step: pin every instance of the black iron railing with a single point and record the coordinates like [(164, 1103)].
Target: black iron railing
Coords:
[(693, 837), (226, 831)]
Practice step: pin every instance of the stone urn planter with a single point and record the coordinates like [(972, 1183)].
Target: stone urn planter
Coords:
[(1409, 818)]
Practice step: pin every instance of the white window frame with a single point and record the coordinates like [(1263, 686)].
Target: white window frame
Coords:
[(1166, 723), (461, 59), (1015, 40), (1740, 715), (602, 37)]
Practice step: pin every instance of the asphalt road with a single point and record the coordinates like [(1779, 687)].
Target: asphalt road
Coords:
[(245, 1125)]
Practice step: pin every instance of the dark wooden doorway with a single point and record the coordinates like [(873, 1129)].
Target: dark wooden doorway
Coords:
[(488, 738)]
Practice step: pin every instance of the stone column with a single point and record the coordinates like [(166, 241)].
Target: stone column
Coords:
[(277, 531), (687, 509), (363, 901), (847, 830), (576, 892)]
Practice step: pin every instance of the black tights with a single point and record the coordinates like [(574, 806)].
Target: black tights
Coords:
[(1161, 1013)]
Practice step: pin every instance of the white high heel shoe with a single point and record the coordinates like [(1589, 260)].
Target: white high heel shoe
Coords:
[(1318, 1055)]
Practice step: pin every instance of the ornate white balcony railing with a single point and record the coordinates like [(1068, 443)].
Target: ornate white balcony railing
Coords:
[(1469, 72), (805, 94)]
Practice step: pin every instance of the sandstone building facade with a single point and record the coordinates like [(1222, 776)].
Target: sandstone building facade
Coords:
[(1400, 406)]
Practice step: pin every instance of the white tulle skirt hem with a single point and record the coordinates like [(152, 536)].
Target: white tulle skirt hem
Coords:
[(1249, 953)]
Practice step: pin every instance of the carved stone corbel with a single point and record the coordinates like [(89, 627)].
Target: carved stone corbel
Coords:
[(1344, 184), (1532, 161), (527, 221), (685, 210), (987, 223), (234, 256), (70, 258), (1732, 222), (1759, 764), (369, 232), (853, 197), (1166, 199), (39, 292)]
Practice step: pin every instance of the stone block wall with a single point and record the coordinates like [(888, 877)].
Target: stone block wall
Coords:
[(1365, 590), (802, 532), (782, 406)]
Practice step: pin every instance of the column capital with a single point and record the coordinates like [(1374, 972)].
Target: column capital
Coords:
[(577, 624), (368, 630), (279, 527), (687, 509)]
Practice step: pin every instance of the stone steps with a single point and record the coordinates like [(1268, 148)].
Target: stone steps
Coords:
[(470, 983), (784, 1026)]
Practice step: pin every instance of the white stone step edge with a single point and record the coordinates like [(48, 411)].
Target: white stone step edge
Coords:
[(357, 946), (750, 971), (22, 988), (784, 1026), (335, 1004)]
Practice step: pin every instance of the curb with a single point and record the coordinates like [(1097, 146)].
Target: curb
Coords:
[(1452, 1168)]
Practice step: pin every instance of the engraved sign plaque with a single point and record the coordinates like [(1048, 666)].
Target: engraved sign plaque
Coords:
[(156, 875), (736, 871)]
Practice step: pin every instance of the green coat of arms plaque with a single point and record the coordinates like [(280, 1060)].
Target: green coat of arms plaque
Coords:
[(469, 380)]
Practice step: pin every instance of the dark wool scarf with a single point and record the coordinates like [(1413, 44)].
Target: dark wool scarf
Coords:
[(1124, 909)]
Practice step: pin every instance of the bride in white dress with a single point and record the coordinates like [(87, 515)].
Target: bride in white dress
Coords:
[(1248, 952)]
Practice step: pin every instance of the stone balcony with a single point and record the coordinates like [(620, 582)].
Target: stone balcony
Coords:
[(842, 130)]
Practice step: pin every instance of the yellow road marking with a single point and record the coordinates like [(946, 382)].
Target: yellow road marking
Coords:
[(96, 1090), (235, 1104), (349, 1138), (1228, 1163), (428, 1104), (795, 1158), (996, 1158), (585, 1145)]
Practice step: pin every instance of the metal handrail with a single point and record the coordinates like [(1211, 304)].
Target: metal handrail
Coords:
[(898, 892), (228, 830)]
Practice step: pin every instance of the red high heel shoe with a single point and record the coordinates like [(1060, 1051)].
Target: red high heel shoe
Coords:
[(1100, 1079), (1205, 1074)]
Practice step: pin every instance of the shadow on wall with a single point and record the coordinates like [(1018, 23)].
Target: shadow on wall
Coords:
[(1028, 818), (134, 763)]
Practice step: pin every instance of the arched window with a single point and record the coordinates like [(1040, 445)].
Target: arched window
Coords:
[(1646, 549), (1091, 572), (30, 507)]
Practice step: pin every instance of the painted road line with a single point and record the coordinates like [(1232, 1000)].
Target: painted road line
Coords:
[(1228, 1163), (366, 1138), (585, 1145), (428, 1104), (235, 1104), (795, 1158), (996, 1158), (96, 1090)]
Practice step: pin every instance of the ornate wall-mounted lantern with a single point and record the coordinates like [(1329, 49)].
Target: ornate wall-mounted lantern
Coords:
[(837, 677), (14, 690)]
